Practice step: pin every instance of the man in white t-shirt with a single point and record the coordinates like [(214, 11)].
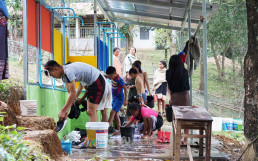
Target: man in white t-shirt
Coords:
[(88, 76)]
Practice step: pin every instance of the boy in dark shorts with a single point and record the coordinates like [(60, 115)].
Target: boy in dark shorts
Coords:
[(119, 98), (87, 75)]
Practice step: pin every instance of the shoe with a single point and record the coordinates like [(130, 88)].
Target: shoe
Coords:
[(111, 130), (60, 125), (163, 114), (75, 111)]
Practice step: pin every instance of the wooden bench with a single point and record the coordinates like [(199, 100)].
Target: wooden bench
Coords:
[(195, 118)]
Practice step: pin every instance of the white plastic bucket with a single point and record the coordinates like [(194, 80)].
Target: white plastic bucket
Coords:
[(227, 124), (29, 107), (238, 125), (217, 124), (97, 134)]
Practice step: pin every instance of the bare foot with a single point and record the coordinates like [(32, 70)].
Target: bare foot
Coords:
[(116, 133)]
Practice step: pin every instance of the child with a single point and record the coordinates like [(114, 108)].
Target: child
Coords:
[(119, 98), (160, 85), (139, 84), (149, 119)]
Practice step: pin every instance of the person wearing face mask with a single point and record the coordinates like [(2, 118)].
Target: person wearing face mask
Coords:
[(129, 60)]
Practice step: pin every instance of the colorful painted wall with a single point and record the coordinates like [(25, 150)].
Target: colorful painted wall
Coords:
[(47, 107)]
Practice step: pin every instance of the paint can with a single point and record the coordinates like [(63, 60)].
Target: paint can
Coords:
[(97, 134)]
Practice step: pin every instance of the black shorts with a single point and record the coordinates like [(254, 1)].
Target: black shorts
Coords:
[(96, 90)]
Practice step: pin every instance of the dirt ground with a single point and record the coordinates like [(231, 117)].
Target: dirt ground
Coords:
[(231, 147)]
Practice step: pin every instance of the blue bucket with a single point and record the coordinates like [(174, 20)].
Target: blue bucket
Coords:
[(66, 146)]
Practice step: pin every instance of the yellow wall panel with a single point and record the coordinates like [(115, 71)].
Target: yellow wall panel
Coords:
[(91, 60), (66, 49), (58, 50)]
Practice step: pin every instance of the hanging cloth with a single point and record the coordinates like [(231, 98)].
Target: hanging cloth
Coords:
[(193, 54)]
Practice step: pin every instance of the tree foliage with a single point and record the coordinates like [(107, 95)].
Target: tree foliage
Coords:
[(163, 38)]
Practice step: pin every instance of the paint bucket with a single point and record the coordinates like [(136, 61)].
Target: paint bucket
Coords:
[(217, 124), (168, 110), (66, 146), (28, 107), (97, 134), (238, 125), (227, 124), (127, 133)]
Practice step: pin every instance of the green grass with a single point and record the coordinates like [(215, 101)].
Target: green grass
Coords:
[(237, 136), (221, 88)]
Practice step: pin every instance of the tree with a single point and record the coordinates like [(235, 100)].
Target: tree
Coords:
[(222, 28), (163, 39), (127, 31), (250, 81)]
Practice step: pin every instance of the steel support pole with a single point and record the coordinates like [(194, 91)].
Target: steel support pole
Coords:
[(39, 44), (63, 30), (95, 27), (188, 57), (205, 54), (25, 47), (181, 41)]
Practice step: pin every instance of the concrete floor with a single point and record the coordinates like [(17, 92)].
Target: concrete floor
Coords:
[(140, 149)]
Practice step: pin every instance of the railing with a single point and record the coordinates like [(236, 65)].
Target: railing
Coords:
[(85, 33)]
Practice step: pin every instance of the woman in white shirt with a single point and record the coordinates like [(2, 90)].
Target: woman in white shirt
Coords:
[(129, 60)]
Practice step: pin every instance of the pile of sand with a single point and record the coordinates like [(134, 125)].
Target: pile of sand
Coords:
[(49, 141), (39, 129), (36, 122)]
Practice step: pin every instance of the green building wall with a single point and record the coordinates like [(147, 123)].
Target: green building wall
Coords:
[(47, 107)]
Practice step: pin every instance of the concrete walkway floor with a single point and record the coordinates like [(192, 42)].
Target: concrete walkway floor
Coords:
[(139, 149)]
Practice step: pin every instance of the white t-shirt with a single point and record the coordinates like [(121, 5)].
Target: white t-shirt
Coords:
[(80, 72)]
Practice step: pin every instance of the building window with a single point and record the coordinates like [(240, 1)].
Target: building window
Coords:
[(144, 33)]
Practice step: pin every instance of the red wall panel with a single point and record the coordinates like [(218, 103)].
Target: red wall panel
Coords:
[(46, 26)]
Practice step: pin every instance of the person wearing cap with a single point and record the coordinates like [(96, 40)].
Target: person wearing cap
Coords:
[(88, 76)]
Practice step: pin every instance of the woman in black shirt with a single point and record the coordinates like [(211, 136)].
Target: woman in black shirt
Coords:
[(178, 84)]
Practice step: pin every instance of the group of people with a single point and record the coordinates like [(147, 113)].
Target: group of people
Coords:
[(135, 85)]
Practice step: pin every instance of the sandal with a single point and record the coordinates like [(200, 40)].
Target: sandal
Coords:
[(81, 146)]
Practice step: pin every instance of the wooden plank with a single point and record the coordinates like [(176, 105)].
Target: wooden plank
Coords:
[(208, 142), (189, 152), (201, 144), (193, 136), (191, 113), (178, 141)]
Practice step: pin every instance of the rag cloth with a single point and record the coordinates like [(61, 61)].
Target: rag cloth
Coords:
[(192, 49)]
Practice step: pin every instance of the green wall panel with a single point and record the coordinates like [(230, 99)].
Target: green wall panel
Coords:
[(47, 107)]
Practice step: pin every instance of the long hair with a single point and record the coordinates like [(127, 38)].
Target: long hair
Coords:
[(176, 71), (164, 63)]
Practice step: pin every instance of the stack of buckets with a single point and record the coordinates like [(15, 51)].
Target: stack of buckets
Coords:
[(229, 124)]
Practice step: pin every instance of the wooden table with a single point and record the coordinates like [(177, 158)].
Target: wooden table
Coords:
[(188, 117)]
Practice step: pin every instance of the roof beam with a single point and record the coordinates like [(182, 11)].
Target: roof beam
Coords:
[(163, 4), (149, 15), (103, 11), (148, 24), (189, 7)]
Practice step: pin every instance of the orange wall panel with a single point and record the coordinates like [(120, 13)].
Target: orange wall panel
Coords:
[(32, 23), (46, 26), (46, 30)]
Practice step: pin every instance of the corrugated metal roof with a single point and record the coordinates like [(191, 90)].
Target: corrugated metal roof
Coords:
[(159, 13)]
